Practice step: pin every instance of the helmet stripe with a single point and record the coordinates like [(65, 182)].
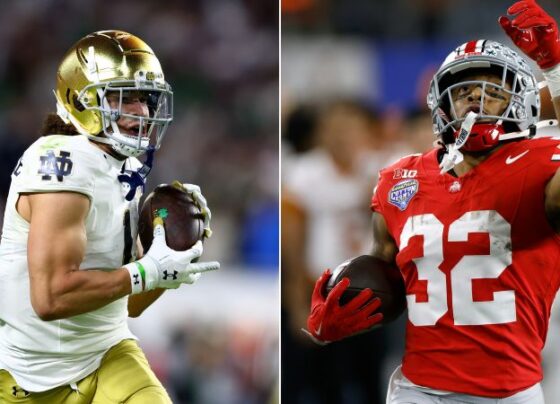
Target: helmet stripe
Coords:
[(470, 47)]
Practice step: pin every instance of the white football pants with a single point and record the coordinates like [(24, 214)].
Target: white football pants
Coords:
[(403, 391)]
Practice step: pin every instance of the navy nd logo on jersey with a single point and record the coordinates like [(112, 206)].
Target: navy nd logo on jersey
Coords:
[(60, 166)]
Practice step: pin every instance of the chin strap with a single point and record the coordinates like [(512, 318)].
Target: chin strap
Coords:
[(531, 131), (453, 156), (137, 178)]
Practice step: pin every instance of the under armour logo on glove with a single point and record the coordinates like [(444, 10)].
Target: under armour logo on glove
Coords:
[(137, 178), (167, 275), (136, 280)]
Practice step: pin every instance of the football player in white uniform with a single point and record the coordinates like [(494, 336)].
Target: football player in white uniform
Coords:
[(69, 269)]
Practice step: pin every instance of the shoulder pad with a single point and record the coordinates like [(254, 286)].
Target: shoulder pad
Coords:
[(57, 163), (405, 162)]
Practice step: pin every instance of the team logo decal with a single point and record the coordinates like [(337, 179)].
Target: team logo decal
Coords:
[(60, 166), (402, 192), (455, 187), (167, 275), (404, 173)]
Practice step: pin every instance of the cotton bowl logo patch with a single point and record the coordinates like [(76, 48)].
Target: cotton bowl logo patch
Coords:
[(402, 192)]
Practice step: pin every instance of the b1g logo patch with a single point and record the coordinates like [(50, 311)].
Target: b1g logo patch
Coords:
[(402, 193), (59, 166), (399, 173)]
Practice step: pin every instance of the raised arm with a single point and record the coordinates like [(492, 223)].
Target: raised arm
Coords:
[(535, 32)]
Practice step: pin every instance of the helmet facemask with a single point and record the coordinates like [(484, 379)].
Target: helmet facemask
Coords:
[(111, 87), (514, 82), (141, 131), (508, 92)]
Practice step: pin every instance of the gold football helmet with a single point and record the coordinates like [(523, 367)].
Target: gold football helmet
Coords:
[(101, 72)]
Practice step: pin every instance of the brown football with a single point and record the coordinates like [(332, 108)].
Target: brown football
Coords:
[(383, 278), (183, 220)]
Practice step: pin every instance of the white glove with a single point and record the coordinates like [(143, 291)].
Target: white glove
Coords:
[(163, 267), (196, 194)]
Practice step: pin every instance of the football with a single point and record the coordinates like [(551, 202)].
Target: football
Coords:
[(382, 278), (182, 218)]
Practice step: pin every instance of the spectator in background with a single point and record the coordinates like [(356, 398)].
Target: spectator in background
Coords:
[(418, 131), (323, 222), (208, 366)]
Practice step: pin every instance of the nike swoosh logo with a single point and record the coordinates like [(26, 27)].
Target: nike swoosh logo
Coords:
[(511, 160), (318, 331)]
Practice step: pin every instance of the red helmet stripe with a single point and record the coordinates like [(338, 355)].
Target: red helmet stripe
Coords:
[(470, 47)]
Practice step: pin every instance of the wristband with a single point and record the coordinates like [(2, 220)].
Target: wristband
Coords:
[(552, 77), (137, 277)]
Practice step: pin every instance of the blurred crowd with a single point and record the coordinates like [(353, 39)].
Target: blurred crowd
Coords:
[(221, 59), (355, 76), (331, 154), (396, 20), (222, 348)]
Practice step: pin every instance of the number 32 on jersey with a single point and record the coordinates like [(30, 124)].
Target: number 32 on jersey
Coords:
[(500, 310)]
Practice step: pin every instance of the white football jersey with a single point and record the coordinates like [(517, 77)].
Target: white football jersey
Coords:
[(39, 354), (338, 221)]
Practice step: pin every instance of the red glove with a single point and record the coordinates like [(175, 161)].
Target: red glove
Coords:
[(534, 32), (328, 321)]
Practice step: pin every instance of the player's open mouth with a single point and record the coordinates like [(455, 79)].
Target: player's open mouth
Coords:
[(473, 108), (132, 130)]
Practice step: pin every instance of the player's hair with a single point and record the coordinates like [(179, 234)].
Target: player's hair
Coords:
[(54, 125)]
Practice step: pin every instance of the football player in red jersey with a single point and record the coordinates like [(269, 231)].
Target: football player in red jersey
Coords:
[(474, 229)]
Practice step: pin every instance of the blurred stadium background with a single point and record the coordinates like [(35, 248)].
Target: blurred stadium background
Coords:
[(355, 74), (217, 341)]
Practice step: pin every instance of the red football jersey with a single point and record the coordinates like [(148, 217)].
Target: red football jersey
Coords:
[(480, 263)]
